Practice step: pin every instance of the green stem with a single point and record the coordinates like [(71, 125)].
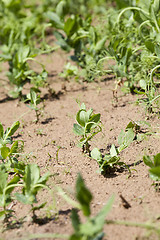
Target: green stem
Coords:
[(153, 70), (45, 235), (146, 225), (130, 8)]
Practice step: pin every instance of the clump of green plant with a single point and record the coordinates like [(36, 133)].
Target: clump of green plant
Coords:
[(111, 161), (6, 188), (87, 126), (154, 171), (76, 32), (69, 71), (92, 228), (18, 45), (32, 184), (5, 139)]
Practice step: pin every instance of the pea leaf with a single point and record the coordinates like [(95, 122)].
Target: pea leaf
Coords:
[(83, 195)]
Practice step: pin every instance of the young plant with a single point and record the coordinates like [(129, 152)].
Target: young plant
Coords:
[(87, 127), (92, 228), (34, 100), (5, 139), (111, 161), (6, 188), (154, 171), (32, 184)]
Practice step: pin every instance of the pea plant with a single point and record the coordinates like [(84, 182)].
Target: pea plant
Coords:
[(87, 126), (6, 188), (111, 161), (154, 168), (32, 183), (5, 139), (92, 228), (34, 99), (76, 32)]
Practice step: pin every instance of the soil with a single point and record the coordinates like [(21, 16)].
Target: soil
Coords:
[(52, 144)]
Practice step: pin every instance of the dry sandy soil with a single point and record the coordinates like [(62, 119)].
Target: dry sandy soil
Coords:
[(54, 132)]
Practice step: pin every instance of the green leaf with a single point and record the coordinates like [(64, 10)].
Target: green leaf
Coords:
[(155, 173), (82, 117), (70, 26), (95, 118), (21, 198), (83, 195), (143, 84), (31, 177), (75, 220), (23, 53), (95, 225), (96, 154), (5, 152), (113, 151), (61, 9), (150, 46), (1, 130), (157, 160), (14, 148), (2, 215), (10, 131), (156, 6), (100, 44), (125, 138), (147, 160), (110, 161), (78, 130), (3, 181), (33, 96), (56, 21), (44, 178), (83, 106)]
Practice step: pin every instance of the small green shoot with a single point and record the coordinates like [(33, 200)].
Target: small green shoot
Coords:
[(34, 100), (111, 161), (32, 183), (5, 139), (87, 127), (92, 228), (6, 188), (154, 171)]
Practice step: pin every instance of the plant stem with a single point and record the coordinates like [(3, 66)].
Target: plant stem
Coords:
[(45, 235), (145, 225)]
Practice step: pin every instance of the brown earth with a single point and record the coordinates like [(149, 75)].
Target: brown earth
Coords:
[(52, 144)]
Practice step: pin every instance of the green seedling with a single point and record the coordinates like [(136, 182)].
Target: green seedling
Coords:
[(9, 155), (87, 127), (6, 188), (69, 71), (154, 171), (32, 183), (5, 136), (111, 161), (92, 228), (5, 139), (34, 100)]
